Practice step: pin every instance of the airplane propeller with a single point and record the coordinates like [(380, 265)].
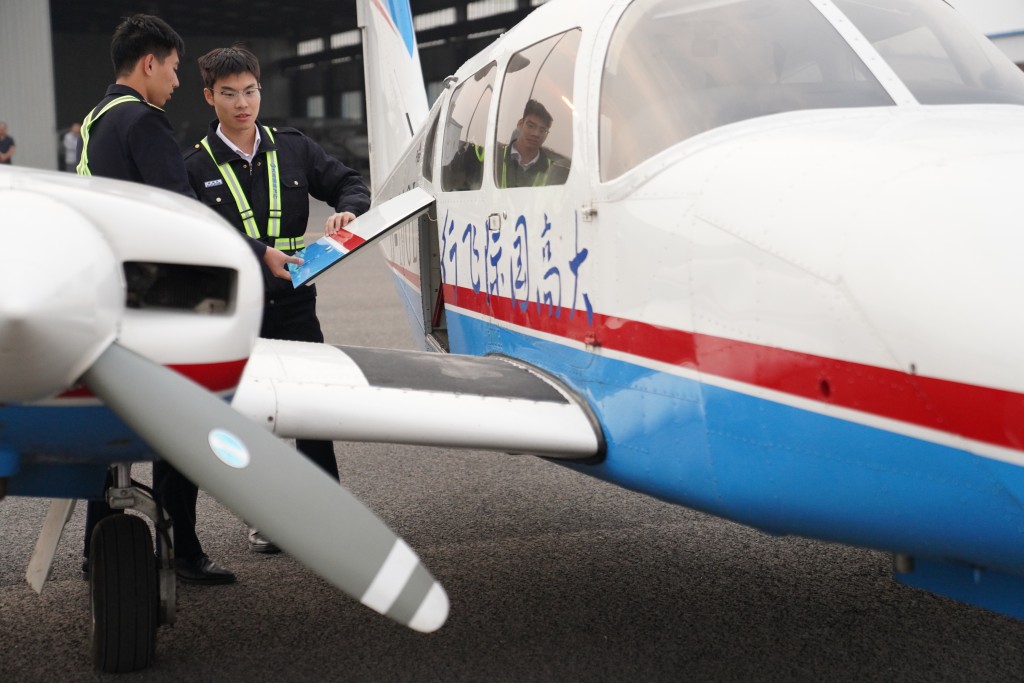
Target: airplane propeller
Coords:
[(59, 322), (258, 477)]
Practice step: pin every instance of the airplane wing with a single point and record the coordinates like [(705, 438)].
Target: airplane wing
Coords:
[(348, 393)]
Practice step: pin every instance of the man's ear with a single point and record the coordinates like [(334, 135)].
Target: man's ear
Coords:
[(148, 63), (208, 94)]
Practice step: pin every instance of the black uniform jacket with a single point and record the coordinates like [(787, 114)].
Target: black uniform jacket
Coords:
[(305, 169), (135, 141)]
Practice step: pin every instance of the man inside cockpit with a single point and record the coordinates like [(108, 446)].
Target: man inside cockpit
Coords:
[(524, 162)]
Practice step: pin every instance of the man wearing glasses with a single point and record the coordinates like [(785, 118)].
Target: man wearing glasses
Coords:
[(524, 162), (260, 179)]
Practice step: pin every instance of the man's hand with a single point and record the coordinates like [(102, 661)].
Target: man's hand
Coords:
[(277, 261), (338, 221)]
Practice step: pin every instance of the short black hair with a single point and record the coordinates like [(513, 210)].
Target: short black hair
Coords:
[(227, 61), (539, 110), (139, 35)]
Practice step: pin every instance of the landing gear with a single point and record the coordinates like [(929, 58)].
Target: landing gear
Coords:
[(123, 595), (129, 594)]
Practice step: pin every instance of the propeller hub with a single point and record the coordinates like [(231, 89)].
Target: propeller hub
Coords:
[(61, 296)]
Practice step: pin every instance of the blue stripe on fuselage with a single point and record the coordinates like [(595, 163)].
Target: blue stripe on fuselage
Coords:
[(777, 467)]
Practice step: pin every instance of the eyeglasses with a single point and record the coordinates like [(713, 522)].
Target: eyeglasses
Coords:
[(232, 95), (533, 127)]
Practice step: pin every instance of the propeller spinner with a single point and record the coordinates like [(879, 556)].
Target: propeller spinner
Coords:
[(61, 296)]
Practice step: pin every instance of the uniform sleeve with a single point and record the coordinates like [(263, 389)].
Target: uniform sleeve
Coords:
[(333, 182), (257, 247), (153, 149)]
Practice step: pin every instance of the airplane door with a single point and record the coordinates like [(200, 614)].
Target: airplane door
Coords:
[(435, 325), (455, 241)]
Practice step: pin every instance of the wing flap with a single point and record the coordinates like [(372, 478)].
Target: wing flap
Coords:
[(336, 393), (381, 220)]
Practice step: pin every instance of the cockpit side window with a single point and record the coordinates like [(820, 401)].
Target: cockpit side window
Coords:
[(533, 138), (465, 131), (677, 68)]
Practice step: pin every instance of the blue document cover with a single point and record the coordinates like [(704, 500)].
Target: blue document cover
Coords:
[(317, 257)]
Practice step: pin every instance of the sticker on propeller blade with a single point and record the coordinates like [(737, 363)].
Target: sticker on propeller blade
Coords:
[(229, 449)]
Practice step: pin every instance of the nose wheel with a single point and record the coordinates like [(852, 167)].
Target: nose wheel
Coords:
[(123, 594), (131, 591)]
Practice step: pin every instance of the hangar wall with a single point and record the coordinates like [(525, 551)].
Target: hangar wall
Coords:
[(83, 71), (26, 82), (1001, 20)]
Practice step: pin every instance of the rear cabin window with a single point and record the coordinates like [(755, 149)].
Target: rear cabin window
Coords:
[(465, 130)]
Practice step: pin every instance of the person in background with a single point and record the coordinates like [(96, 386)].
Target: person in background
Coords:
[(69, 145), (6, 145)]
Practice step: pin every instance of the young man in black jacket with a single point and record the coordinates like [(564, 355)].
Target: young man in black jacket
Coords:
[(260, 179), (128, 136)]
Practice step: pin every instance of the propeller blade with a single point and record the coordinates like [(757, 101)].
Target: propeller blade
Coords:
[(270, 485)]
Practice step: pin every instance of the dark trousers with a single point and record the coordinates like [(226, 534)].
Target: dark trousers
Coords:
[(177, 495), (291, 316), (96, 511)]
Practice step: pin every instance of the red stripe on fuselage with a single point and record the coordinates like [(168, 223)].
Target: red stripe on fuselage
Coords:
[(984, 414), (412, 277), (215, 377)]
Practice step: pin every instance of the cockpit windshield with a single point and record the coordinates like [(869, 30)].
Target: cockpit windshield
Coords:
[(925, 43), (677, 68)]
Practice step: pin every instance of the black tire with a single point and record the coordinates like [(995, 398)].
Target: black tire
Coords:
[(123, 594)]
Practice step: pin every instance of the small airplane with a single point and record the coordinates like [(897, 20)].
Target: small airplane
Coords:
[(766, 245), (747, 256)]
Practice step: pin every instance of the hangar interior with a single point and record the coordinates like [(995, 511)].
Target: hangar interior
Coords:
[(310, 56)]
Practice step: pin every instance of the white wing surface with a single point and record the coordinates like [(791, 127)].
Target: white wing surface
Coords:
[(347, 393)]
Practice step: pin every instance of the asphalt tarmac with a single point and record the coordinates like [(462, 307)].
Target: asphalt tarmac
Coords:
[(552, 576)]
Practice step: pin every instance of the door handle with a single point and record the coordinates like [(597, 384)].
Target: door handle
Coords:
[(494, 221)]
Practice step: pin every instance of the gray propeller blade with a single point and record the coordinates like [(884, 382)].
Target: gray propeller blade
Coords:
[(270, 485)]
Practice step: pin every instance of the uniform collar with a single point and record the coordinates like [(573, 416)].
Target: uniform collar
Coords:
[(117, 90), (223, 154), (238, 150), (514, 154)]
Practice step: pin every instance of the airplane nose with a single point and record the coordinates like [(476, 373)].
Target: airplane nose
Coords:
[(61, 296), (884, 244)]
